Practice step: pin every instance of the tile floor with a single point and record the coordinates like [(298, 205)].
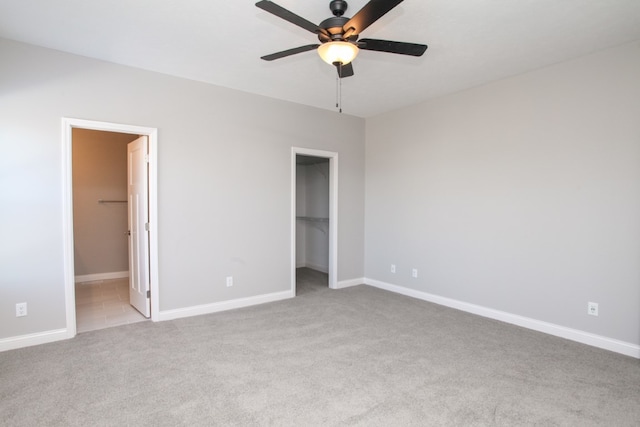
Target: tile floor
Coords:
[(103, 304)]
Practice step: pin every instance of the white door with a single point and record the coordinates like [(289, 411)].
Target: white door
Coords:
[(138, 194)]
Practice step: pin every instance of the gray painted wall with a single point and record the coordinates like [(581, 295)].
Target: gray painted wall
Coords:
[(224, 180), (521, 196)]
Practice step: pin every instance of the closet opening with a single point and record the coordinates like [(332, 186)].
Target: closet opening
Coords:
[(314, 228)]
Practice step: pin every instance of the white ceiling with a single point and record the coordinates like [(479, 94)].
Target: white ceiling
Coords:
[(471, 42)]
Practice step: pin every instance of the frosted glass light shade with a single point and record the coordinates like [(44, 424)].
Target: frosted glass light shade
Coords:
[(342, 52)]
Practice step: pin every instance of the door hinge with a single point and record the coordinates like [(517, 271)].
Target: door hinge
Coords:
[(146, 226), (148, 294), (146, 158)]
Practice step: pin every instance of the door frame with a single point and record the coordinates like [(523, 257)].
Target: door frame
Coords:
[(68, 124), (333, 212)]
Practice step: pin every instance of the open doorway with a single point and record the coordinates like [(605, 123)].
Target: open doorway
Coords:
[(314, 220), (99, 232)]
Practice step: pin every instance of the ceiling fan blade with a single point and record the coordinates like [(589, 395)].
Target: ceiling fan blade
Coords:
[(283, 13), (289, 52), (369, 14), (401, 48), (344, 70)]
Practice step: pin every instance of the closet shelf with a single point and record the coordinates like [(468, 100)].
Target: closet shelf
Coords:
[(312, 219)]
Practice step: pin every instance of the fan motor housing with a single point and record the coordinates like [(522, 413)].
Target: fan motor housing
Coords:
[(334, 26)]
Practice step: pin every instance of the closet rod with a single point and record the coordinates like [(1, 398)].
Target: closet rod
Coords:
[(112, 201)]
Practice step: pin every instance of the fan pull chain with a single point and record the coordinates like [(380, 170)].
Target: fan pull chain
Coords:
[(337, 93), (339, 88)]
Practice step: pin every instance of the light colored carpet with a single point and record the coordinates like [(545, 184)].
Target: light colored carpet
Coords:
[(359, 356)]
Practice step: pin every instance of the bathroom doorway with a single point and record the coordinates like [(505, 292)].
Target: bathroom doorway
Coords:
[(111, 204)]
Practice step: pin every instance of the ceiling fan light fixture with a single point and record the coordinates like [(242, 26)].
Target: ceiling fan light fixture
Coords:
[(338, 52)]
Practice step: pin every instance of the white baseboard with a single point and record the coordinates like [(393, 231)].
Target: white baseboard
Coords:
[(599, 341), (351, 282), (28, 340), (102, 276), (223, 306), (317, 267)]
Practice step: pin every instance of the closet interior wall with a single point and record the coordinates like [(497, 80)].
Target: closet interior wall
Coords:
[(100, 203), (312, 212)]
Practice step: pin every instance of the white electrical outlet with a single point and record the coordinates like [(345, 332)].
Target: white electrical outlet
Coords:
[(229, 281), (393, 268), (21, 309), (414, 273), (592, 308)]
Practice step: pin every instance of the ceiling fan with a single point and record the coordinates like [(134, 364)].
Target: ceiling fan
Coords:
[(338, 34)]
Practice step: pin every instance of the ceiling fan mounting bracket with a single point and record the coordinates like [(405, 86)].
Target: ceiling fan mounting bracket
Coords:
[(338, 7)]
